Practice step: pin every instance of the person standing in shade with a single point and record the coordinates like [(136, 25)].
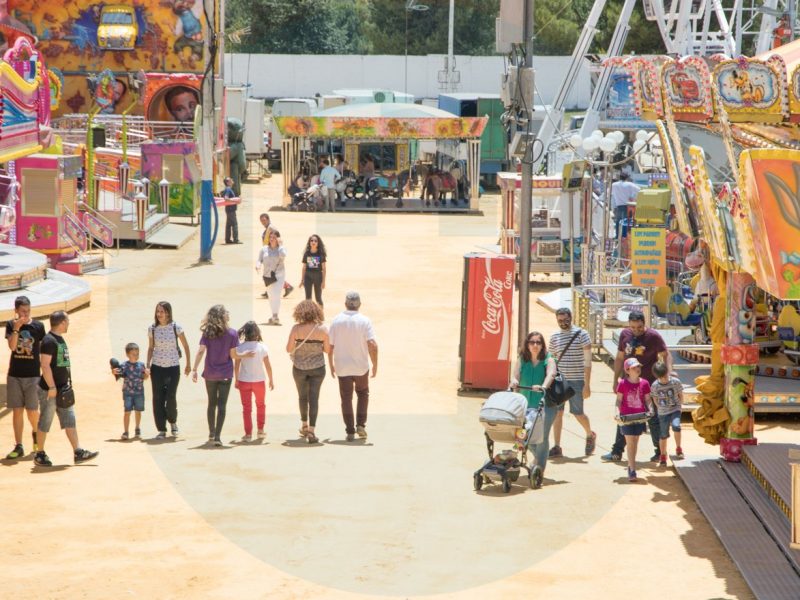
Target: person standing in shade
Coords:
[(266, 222), (24, 335), (231, 221), (647, 346), (271, 261), (329, 177), (572, 349), (165, 338), (314, 268), (56, 396), (217, 344), (353, 346)]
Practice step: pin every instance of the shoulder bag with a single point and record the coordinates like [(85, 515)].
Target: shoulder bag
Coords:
[(65, 395), (560, 391)]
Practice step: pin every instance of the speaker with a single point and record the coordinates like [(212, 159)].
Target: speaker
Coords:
[(98, 136)]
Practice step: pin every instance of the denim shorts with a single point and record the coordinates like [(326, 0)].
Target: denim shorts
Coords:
[(48, 408), (632, 429), (133, 401), (672, 419), (576, 402)]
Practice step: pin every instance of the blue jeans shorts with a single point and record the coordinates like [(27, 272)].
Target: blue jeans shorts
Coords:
[(632, 429), (576, 402), (48, 409), (133, 401), (673, 420)]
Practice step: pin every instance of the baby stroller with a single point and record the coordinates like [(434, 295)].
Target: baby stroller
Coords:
[(304, 202), (507, 419)]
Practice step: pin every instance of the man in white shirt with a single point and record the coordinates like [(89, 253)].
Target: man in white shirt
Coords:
[(353, 346), (622, 192), (329, 177)]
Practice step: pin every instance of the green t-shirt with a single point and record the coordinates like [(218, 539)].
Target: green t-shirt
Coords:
[(530, 374)]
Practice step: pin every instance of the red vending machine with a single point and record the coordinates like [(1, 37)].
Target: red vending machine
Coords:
[(486, 321)]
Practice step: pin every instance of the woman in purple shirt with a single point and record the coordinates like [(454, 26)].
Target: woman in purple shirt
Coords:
[(218, 340)]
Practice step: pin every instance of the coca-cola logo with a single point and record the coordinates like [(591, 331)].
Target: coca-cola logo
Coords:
[(493, 296)]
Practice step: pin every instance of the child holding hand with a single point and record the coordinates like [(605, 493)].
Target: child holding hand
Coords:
[(633, 397), (133, 372)]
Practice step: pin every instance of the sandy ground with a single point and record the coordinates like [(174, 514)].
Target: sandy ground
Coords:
[(396, 516)]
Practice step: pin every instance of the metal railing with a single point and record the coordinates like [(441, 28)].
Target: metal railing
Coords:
[(72, 129)]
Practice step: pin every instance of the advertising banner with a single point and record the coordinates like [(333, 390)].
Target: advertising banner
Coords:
[(648, 256)]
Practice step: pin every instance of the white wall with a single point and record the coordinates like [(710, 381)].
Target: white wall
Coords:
[(304, 75)]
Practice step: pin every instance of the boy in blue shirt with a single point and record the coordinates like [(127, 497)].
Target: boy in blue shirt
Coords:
[(133, 372)]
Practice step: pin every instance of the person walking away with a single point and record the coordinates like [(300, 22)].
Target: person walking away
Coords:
[(572, 348), (231, 221), (623, 192), (314, 268), (133, 372), (633, 396), (646, 345), (307, 346), (165, 338), (250, 361), (667, 395), (266, 222), (216, 344), (352, 347), (271, 261), (536, 368), (24, 335), (56, 395), (329, 177)]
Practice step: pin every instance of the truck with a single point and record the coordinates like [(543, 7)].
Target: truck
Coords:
[(286, 107)]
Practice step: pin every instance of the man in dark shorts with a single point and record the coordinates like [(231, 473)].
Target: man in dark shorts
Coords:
[(646, 345), (56, 382), (24, 335)]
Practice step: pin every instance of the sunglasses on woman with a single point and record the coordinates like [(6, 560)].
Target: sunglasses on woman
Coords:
[(538, 342)]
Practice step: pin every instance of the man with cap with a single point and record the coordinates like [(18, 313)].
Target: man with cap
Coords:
[(353, 346)]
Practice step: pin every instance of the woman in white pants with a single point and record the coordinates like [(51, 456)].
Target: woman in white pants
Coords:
[(271, 262)]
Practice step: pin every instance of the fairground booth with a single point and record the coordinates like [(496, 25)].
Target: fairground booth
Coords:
[(386, 143)]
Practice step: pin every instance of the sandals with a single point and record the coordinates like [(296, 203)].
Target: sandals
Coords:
[(303, 431), (311, 438)]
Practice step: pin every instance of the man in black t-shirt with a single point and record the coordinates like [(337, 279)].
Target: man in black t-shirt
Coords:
[(22, 386), (55, 391)]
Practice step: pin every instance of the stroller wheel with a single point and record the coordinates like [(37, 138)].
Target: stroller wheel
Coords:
[(536, 478), (477, 481), (506, 485)]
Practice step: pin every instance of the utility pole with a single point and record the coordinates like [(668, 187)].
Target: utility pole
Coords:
[(208, 132), (526, 191)]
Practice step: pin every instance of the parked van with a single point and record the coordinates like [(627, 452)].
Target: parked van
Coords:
[(287, 107)]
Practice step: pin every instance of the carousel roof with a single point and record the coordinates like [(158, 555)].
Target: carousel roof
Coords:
[(389, 110)]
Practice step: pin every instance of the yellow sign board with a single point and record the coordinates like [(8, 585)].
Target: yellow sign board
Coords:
[(649, 256)]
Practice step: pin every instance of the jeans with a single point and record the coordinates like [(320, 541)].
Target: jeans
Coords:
[(246, 390), (217, 391), (313, 279), (655, 436), (620, 213), (231, 226), (165, 388), (308, 383), (540, 451), (359, 383)]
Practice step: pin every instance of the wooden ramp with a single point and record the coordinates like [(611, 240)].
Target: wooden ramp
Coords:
[(748, 518)]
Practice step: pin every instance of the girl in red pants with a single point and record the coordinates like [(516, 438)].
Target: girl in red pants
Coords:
[(251, 360)]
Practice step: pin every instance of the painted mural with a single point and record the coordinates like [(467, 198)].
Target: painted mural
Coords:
[(750, 90), (685, 85), (82, 37), (382, 127)]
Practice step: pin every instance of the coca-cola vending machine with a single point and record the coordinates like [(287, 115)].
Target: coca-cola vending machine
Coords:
[(486, 321)]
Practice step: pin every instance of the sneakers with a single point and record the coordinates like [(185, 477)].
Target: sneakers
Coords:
[(173, 428), (679, 452), (261, 434), (362, 432), (42, 460), (631, 475), (287, 290), (656, 457), (611, 457), (125, 436), (247, 438), (351, 437), (138, 433), (82, 455), (662, 462), (17, 452), (210, 437), (591, 441), (162, 435), (218, 443), (555, 452), (265, 295)]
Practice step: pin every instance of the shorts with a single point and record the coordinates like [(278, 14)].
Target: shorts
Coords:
[(47, 408), (632, 429), (576, 402), (22, 392), (672, 419), (133, 401)]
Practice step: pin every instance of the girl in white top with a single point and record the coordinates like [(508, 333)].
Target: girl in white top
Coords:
[(250, 360), (271, 260)]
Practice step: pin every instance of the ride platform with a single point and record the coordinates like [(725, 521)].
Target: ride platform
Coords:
[(25, 272), (748, 506)]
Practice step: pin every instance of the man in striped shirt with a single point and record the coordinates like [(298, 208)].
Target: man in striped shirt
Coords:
[(576, 367)]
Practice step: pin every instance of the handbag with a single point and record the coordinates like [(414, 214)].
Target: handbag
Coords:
[(560, 391), (65, 396), (271, 279)]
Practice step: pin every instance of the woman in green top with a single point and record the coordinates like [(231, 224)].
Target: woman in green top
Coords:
[(535, 368)]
